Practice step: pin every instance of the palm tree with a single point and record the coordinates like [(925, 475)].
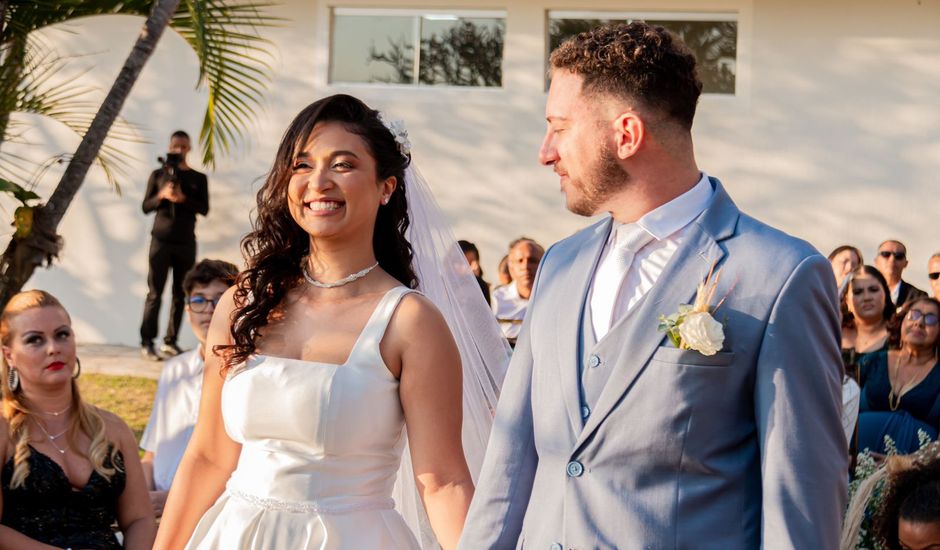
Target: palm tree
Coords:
[(232, 66)]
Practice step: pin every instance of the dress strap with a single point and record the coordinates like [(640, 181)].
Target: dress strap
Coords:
[(366, 348)]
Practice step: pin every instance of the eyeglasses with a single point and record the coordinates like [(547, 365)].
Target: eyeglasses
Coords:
[(934, 276), (900, 256), (200, 304), (930, 319)]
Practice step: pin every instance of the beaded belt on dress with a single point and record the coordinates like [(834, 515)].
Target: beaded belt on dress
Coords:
[(351, 504)]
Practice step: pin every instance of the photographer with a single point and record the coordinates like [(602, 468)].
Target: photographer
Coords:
[(176, 193)]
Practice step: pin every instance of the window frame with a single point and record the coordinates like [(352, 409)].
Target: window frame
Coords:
[(722, 15), (418, 14)]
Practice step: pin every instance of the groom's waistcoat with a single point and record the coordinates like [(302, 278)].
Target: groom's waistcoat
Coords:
[(597, 358), (740, 449)]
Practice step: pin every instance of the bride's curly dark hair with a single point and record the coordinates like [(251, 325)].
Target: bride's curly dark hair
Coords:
[(275, 247)]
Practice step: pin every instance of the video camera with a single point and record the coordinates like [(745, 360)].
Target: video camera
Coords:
[(170, 166)]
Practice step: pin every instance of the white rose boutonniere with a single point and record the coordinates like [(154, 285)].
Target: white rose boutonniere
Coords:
[(694, 326)]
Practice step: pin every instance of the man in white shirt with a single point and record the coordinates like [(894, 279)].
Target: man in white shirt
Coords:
[(509, 302), (613, 432), (176, 405)]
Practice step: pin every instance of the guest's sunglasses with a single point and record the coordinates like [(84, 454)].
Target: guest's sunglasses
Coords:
[(930, 319), (934, 276), (900, 256), (200, 304)]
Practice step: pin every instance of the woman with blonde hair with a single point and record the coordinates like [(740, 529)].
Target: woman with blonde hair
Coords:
[(69, 469)]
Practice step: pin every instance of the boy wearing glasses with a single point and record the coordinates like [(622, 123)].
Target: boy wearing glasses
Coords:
[(176, 404), (891, 261)]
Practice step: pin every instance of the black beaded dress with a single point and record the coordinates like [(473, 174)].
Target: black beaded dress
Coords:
[(49, 509)]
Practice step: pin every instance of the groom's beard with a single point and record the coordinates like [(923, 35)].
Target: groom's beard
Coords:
[(605, 178)]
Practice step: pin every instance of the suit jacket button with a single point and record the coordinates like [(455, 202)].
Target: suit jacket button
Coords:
[(575, 469), (556, 546), (594, 361), (585, 412)]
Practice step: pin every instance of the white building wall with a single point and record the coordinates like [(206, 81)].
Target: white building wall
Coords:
[(833, 135)]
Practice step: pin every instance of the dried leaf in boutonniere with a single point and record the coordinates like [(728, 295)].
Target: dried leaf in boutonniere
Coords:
[(694, 326)]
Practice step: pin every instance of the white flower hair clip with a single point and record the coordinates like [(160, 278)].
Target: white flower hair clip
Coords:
[(399, 132)]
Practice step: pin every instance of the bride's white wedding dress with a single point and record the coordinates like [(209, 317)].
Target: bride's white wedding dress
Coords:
[(321, 447)]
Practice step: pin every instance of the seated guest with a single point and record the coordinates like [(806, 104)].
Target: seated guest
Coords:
[(472, 254), (901, 388), (866, 314), (891, 261), (176, 404), (69, 469), (933, 272), (510, 301), (909, 515), (844, 260), (502, 272)]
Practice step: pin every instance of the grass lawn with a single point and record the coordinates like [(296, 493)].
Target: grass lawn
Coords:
[(129, 397)]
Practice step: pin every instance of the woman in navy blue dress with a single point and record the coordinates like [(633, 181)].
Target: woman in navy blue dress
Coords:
[(901, 388)]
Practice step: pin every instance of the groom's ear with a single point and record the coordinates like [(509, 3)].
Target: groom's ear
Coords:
[(630, 132)]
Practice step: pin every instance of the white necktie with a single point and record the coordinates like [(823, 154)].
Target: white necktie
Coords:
[(608, 279)]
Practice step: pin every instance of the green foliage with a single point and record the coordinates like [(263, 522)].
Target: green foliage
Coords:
[(233, 65), (233, 62), (865, 467), (670, 324)]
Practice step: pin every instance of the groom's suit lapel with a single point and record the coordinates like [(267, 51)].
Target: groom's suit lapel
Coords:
[(638, 331), (569, 319)]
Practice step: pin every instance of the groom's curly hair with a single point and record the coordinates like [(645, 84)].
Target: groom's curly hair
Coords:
[(635, 61)]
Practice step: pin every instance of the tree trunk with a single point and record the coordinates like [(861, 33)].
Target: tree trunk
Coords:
[(23, 256), (12, 63)]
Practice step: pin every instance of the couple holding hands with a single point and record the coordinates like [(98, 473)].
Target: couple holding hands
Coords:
[(677, 382)]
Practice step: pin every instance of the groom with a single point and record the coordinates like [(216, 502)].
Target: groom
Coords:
[(606, 434)]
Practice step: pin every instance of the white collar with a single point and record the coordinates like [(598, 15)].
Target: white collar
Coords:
[(677, 213)]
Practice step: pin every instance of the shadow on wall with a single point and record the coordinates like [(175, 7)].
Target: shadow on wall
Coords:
[(814, 147), (835, 118)]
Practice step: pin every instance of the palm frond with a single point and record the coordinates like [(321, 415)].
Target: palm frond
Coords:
[(42, 91), (234, 59), (26, 16), (234, 65)]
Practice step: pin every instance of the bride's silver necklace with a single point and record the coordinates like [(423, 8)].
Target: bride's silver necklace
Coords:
[(52, 438), (344, 281)]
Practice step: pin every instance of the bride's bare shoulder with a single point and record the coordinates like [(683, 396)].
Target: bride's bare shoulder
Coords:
[(417, 318)]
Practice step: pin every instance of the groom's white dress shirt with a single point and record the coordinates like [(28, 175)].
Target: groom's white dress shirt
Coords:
[(666, 226)]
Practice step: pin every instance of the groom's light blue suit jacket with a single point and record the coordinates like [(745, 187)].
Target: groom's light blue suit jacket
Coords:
[(741, 449)]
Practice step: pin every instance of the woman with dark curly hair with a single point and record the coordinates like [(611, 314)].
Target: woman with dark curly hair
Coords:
[(901, 387), (323, 354), (909, 517)]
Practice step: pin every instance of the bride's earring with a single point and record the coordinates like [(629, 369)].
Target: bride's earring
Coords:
[(13, 379), (385, 199)]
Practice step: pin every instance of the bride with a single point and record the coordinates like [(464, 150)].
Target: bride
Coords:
[(325, 357)]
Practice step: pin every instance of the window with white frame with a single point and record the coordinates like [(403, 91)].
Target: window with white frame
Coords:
[(417, 47), (712, 37)]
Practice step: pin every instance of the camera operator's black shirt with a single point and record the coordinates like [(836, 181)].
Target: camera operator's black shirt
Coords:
[(176, 222)]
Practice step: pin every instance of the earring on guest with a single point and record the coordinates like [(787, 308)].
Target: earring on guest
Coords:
[(78, 368), (13, 379)]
